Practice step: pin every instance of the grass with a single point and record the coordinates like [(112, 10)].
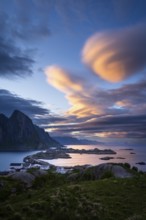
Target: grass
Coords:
[(54, 197)]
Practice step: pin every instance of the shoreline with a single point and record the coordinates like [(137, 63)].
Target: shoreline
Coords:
[(83, 158)]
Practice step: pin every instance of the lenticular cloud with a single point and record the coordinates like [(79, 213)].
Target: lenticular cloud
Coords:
[(116, 55)]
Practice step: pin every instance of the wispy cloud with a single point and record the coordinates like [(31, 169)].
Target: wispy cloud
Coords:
[(97, 112), (106, 126), (116, 55), (77, 91), (60, 79)]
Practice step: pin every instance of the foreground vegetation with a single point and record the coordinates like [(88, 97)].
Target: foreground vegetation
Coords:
[(55, 197)]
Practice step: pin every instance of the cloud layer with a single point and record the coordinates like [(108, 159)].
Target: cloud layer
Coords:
[(106, 113), (121, 126), (117, 55)]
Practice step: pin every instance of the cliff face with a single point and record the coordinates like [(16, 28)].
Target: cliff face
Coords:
[(19, 133)]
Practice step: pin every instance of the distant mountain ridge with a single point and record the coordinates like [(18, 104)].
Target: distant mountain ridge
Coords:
[(68, 140), (19, 133)]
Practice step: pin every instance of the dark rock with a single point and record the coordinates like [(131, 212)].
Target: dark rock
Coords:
[(27, 177), (19, 133), (106, 158), (141, 163), (90, 151), (24, 177), (100, 171), (47, 155)]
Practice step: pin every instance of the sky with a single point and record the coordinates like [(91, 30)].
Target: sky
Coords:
[(75, 67)]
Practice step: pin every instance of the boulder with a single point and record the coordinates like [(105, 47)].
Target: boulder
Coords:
[(24, 177), (104, 170)]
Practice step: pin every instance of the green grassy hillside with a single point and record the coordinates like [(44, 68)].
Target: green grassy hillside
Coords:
[(54, 197)]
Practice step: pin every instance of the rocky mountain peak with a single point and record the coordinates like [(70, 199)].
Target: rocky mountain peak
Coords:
[(19, 133), (18, 115), (3, 117)]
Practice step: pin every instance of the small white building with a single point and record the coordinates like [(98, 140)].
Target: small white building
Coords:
[(45, 167), (62, 170), (42, 167), (16, 166)]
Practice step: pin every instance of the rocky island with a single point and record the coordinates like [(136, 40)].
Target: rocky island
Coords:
[(62, 153), (90, 151), (47, 155)]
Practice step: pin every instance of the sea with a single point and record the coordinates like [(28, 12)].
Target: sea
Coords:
[(130, 154)]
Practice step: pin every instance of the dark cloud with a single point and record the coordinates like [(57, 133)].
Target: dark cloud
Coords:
[(13, 61), (119, 126), (34, 109), (9, 102), (45, 120)]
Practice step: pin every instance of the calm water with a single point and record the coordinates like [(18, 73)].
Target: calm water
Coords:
[(80, 159), (12, 157)]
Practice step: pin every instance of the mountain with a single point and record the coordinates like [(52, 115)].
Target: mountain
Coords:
[(19, 133), (68, 140)]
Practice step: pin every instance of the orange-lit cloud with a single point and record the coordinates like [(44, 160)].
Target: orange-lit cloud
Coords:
[(76, 91), (88, 102), (96, 112), (114, 134), (60, 79), (116, 55)]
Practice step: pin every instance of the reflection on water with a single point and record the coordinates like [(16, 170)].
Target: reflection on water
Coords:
[(80, 159)]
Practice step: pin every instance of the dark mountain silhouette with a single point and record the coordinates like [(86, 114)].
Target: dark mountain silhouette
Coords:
[(68, 140), (19, 133)]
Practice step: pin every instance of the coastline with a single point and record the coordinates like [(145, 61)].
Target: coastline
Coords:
[(81, 159)]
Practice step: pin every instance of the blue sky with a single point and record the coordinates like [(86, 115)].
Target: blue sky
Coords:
[(80, 64)]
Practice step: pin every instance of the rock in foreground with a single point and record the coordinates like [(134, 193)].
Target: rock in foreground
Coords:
[(101, 171)]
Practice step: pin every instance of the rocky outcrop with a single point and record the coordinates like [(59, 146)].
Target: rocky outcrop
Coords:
[(105, 170), (19, 133), (26, 178), (141, 163), (47, 155)]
